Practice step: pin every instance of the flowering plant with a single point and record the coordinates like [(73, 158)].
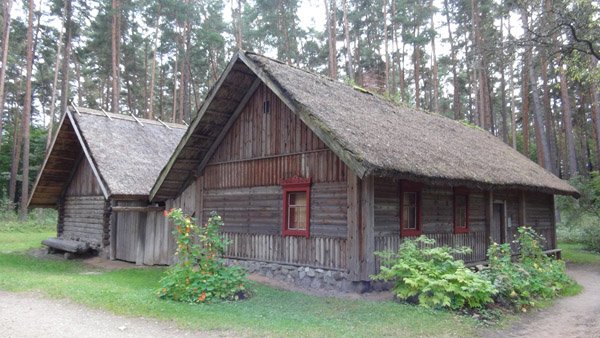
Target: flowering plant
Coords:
[(200, 275)]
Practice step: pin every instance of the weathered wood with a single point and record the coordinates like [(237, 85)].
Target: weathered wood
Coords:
[(66, 245), (367, 228), (141, 239), (354, 223), (522, 209), (319, 252), (199, 200), (227, 127), (489, 212), (141, 209), (113, 233), (87, 154), (358, 168)]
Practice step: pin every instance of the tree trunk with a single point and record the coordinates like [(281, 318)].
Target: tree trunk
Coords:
[(27, 117), (385, 48), (537, 106), (568, 121), (6, 7), (435, 82), (595, 103), (149, 111), (116, 42), (64, 84), (525, 108), (455, 92), (347, 43), (15, 159), (237, 17), (417, 66), (330, 11), (54, 87), (503, 86)]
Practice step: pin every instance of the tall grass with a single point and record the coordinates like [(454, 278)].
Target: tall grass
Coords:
[(39, 220)]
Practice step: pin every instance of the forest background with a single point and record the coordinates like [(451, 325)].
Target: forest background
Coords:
[(525, 71)]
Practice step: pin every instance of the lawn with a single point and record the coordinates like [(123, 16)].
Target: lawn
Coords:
[(576, 253), (270, 311)]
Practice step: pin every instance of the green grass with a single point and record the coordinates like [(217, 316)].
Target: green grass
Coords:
[(576, 253), (269, 312)]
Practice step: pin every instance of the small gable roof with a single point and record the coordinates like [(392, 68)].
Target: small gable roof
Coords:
[(372, 135), (125, 153)]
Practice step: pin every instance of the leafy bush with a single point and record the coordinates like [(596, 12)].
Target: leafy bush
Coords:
[(532, 276), (200, 274), (580, 218), (432, 276)]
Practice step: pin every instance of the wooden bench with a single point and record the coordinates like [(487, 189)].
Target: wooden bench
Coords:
[(556, 253), (67, 245)]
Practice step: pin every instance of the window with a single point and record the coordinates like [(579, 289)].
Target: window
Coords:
[(296, 206), (410, 209), (461, 211)]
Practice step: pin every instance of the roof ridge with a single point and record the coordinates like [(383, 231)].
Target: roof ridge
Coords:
[(127, 117)]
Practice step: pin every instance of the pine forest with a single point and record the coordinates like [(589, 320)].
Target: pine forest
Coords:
[(525, 71)]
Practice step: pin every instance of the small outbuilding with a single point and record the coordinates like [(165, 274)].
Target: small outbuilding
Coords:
[(312, 176), (98, 174)]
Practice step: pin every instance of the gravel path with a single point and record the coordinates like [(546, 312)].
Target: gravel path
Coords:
[(33, 315), (577, 316)]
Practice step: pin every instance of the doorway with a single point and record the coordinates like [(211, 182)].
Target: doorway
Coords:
[(498, 230)]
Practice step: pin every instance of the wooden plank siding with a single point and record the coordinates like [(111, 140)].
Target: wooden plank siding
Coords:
[(142, 236), (242, 181)]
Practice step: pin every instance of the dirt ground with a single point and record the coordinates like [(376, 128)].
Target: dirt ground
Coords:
[(577, 316), (33, 315)]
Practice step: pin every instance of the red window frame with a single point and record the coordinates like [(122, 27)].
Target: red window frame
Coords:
[(295, 184), (416, 188), (457, 228)]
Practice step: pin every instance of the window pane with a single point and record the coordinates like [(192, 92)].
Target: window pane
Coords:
[(461, 210), (297, 211), (409, 210), (410, 199)]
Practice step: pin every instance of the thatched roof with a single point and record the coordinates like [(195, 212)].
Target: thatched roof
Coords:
[(376, 137), (126, 154)]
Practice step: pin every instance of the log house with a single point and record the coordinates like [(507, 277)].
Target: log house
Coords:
[(98, 174)]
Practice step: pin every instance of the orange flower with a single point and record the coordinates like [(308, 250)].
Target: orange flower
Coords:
[(202, 297), (165, 213)]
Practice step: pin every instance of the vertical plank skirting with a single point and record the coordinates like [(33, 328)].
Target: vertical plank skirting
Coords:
[(321, 252), (474, 240)]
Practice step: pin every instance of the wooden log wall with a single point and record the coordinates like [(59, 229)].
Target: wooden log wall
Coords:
[(437, 219), (84, 219), (83, 212), (539, 211)]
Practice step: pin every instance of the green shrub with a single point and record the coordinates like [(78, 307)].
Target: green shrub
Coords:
[(533, 275), (432, 276), (200, 275), (580, 218)]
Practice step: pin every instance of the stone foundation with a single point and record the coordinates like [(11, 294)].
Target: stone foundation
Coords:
[(303, 276)]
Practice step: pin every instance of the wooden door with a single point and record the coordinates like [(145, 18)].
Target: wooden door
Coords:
[(127, 236), (498, 230)]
